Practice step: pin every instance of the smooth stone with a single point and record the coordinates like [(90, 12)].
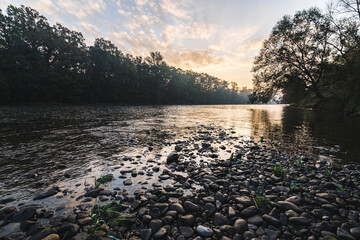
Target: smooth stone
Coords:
[(289, 206), (250, 211), (46, 194), (240, 226), (161, 233), (220, 220), (187, 220), (53, 236), (186, 231), (155, 225), (355, 232), (256, 220), (209, 208), (177, 207), (191, 207), (271, 220), (128, 182), (204, 231), (145, 234), (24, 214), (300, 220), (341, 232)]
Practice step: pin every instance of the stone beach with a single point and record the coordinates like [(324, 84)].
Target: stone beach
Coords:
[(212, 185)]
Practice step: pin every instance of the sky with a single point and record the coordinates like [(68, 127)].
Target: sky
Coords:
[(218, 37)]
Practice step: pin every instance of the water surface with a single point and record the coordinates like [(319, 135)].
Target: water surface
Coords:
[(69, 145)]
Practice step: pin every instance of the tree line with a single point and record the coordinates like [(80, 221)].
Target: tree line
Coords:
[(40, 62), (312, 59)]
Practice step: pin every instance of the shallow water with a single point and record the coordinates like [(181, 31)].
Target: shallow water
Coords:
[(70, 145)]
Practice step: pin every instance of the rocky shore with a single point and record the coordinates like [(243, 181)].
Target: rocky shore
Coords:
[(255, 192)]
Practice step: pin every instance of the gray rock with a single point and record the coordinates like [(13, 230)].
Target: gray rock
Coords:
[(204, 231), (250, 211), (24, 214), (191, 207), (173, 157), (289, 206), (341, 232), (81, 236), (209, 208), (220, 220), (240, 226), (177, 207), (155, 225), (244, 200), (271, 220), (127, 182), (46, 194), (68, 230), (355, 232), (145, 234), (187, 220), (161, 233), (300, 220), (256, 220), (186, 231)]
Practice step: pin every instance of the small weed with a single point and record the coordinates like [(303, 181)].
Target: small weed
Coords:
[(295, 187), (232, 159), (101, 216), (103, 179), (278, 170), (298, 163), (262, 201), (261, 139), (340, 187), (329, 174)]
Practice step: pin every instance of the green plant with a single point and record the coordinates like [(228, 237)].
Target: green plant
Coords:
[(295, 187), (103, 179), (329, 173), (232, 159), (261, 139), (341, 187), (298, 163), (102, 215), (262, 201), (278, 170)]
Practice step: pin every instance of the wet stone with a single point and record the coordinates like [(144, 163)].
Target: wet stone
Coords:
[(204, 231), (186, 231), (240, 225), (256, 220), (250, 211), (220, 220), (161, 233)]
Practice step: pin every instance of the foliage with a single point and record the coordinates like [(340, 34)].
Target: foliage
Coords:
[(262, 201), (103, 179), (341, 187), (312, 59), (329, 173), (278, 170), (44, 63), (295, 187), (102, 215)]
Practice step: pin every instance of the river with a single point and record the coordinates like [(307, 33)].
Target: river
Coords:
[(69, 145)]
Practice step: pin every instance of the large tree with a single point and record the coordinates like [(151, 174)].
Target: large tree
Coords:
[(296, 52)]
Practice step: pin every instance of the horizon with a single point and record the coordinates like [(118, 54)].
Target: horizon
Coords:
[(206, 37)]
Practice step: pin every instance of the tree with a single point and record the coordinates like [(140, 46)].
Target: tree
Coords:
[(296, 51)]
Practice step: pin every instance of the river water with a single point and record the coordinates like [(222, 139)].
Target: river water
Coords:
[(70, 145)]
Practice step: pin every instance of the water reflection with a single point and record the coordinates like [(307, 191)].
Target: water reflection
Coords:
[(42, 138)]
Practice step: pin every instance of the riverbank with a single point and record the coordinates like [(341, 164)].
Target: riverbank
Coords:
[(213, 185)]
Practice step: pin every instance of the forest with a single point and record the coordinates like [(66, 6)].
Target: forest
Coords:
[(43, 63), (312, 59)]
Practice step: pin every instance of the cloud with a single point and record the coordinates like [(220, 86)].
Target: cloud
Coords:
[(46, 6), (175, 8), (82, 8), (191, 59)]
